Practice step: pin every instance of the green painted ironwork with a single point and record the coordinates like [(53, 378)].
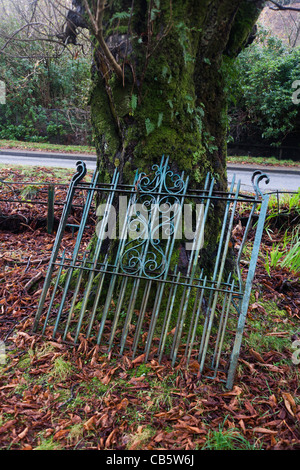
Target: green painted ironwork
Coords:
[(131, 294)]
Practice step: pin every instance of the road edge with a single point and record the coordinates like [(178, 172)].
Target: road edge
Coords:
[(93, 157)]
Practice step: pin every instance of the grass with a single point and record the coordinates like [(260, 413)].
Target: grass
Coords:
[(139, 439), (36, 174), (230, 439), (48, 444), (16, 144), (262, 161), (286, 204), (289, 259), (61, 369)]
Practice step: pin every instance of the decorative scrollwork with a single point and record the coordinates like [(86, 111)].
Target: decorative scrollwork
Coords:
[(146, 184), (173, 183), (152, 221), (163, 179), (80, 172), (256, 178)]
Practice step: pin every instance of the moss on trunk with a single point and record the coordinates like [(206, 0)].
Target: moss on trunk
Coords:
[(172, 99)]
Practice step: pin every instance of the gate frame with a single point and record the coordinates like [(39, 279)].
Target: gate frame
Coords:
[(135, 190)]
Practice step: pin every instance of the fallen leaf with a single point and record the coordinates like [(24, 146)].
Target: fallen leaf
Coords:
[(7, 425), (264, 431), (194, 429), (27, 447), (256, 355), (289, 403), (89, 424), (60, 434), (123, 404), (257, 306), (106, 379), (23, 433), (159, 437), (272, 367), (242, 425), (109, 440), (139, 359), (234, 392)]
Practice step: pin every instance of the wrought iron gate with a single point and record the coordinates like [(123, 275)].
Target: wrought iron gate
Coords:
[(147, 293)]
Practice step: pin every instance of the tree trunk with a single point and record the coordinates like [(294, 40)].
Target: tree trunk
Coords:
[(171, 100)]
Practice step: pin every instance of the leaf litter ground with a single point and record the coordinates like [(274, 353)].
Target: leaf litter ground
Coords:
[(55, 396)]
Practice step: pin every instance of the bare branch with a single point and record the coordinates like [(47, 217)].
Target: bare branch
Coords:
[(17, 32), (283, 7), (97, 26)]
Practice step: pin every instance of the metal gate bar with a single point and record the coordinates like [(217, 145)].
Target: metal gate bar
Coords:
[(135, 296)]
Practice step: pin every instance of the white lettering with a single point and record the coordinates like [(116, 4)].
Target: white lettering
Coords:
[(296, 94), (296, 354), (2, 92), (106, 228), (2, 353), (119, 460)]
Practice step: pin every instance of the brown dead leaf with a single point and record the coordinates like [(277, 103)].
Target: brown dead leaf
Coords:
[(103, 421), (257, 306), (289, 403), (272, 367), (8, 386), (242, 426), (27, 447), (159, 436), (264, 430), (60, 434), (249, 365), (87, 408), (238, 229), (194, 367), (256, 355), (110, 438), (273, 400), (9, 424), (139, 359), (105, 380), (194, 429), (136, 380), (234, 392), (123, 404), (278, 333), (89, 424), (23, 433)]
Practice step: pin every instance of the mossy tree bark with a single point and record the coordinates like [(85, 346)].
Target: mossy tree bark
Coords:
[(171, 99), (170, 95)]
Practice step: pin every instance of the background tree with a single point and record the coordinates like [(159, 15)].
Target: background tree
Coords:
[(47, 81), (261, 84)]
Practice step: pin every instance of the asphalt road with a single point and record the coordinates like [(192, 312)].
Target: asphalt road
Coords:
[(31, 159), (281, 179)]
